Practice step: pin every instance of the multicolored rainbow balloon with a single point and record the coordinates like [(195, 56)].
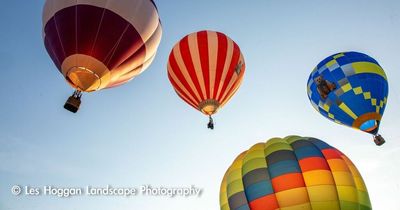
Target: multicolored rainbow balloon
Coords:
[(293, 173)]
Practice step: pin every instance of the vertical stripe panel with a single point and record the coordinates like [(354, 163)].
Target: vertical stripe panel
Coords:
[(178, 77), (236, 85), (231, 75), (187, 60), (222, 53), (183, 70), (180, 88), (194, 52), (212, 57), (202, 40), (227, 63)]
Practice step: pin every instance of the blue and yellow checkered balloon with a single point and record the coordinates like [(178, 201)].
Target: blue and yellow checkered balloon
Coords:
[(350, 88)]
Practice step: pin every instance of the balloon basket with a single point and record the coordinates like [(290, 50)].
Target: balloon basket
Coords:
[(73, 102), (379, 140), (210, 124)]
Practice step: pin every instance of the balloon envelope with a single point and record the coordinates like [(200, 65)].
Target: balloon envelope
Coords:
[(350, 88), (293, 173), (103, 43), (206, 68)]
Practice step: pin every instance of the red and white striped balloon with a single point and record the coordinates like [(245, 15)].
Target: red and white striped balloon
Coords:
[(206, 68), (100, 44)]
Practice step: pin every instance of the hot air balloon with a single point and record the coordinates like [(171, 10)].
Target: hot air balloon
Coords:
[(206, 68), (350, 88), (293, 173), (100, 44)]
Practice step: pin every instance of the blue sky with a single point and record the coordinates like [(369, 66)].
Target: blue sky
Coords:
[(142, 133)]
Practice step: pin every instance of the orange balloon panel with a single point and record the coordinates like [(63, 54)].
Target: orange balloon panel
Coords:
[(206, 68), (290, 174)]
